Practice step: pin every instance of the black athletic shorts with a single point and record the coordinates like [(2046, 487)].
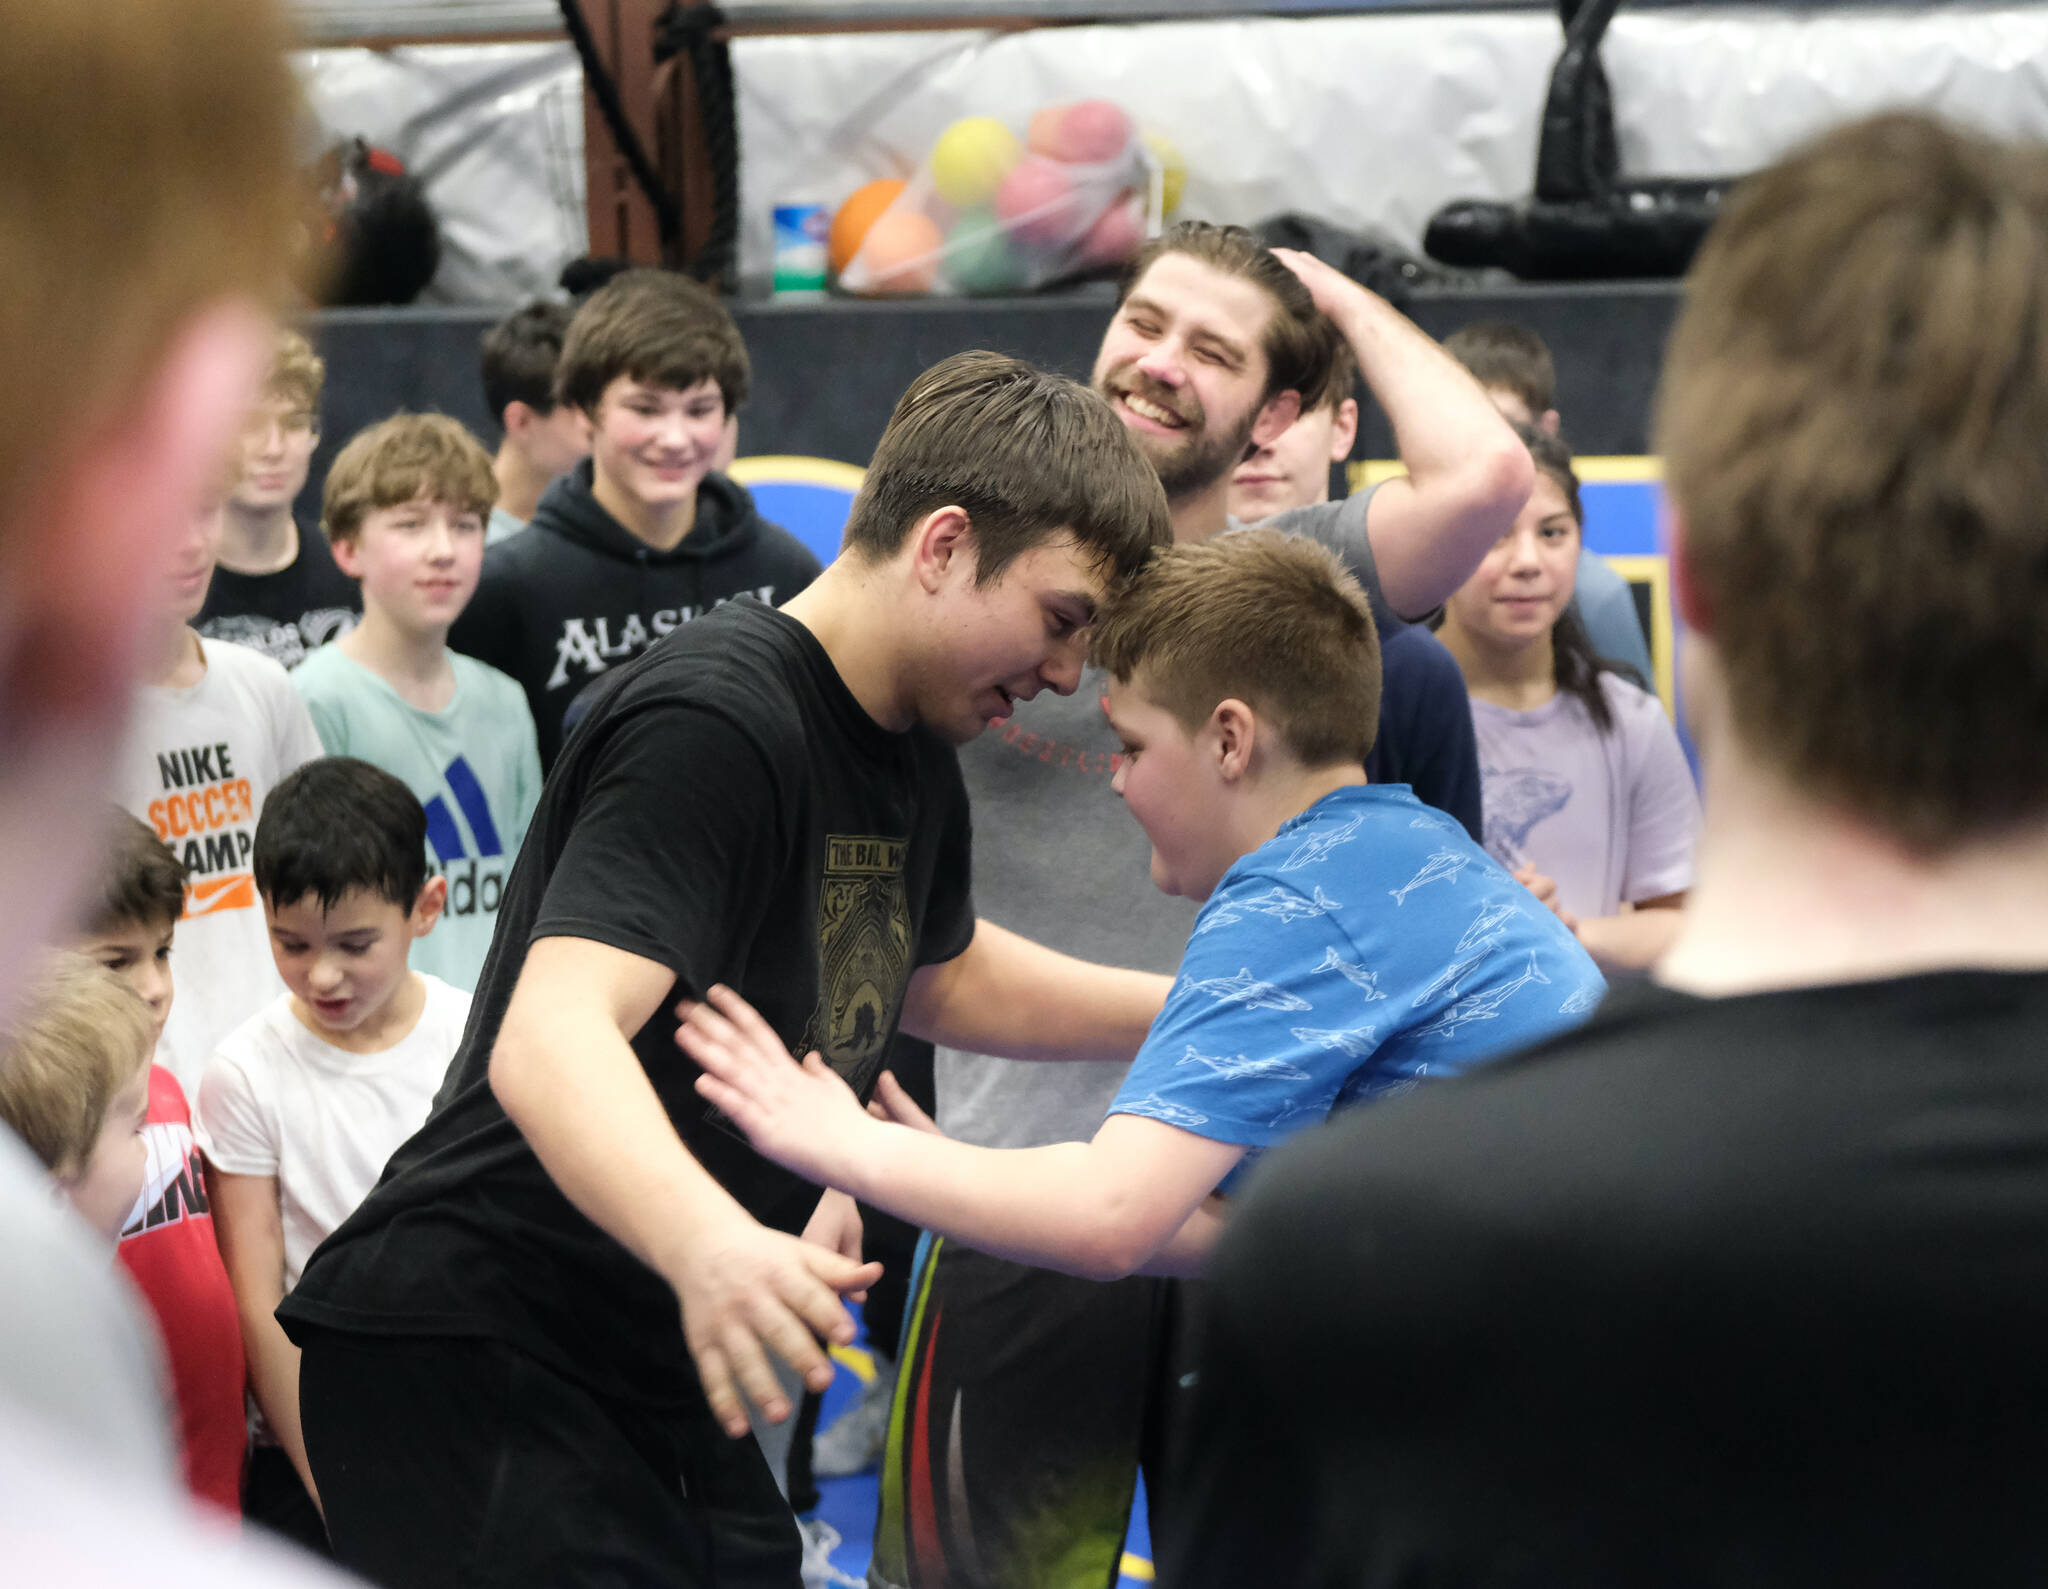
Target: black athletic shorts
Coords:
[(446, 1462)]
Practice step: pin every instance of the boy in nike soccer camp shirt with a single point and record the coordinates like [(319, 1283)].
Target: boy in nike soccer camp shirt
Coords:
[(1352, 941)]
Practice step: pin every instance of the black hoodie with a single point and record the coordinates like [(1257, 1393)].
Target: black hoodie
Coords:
[(575, 593)]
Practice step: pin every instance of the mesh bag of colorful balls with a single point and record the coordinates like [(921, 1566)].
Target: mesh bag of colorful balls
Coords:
[(994, 210)]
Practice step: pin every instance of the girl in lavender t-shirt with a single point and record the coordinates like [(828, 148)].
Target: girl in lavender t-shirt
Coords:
[(1587, 795)]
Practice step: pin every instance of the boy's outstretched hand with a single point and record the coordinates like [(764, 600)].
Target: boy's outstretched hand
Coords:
[(804, 1117)]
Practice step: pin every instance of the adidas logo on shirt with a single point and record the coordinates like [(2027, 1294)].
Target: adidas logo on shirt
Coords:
[(473, 861)]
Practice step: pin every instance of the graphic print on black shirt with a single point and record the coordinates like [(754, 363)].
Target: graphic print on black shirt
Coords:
[(287, 615), (863, 956), (727, 812)]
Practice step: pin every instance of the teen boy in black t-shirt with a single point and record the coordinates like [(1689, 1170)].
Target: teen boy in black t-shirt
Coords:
[(494, 1380), (276, 588), (1745, 1283)]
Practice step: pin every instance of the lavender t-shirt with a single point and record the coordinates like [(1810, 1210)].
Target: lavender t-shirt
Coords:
[(1611, 817)]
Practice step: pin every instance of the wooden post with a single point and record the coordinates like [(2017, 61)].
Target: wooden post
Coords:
[(623, 224), (684, 152)]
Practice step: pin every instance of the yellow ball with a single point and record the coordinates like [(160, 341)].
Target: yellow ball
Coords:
[(971, 159), (1173, 168)]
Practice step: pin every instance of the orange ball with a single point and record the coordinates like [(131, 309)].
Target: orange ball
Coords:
[(901, 253), (855, 216)]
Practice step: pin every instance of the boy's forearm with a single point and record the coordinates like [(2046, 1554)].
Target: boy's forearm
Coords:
[(567, 1076), (1040, 1206), (1007, 996), (578, 1094), (1185, 1254), (274, 1380)]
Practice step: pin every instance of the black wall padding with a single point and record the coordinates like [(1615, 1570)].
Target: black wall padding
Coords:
[(827, 372)]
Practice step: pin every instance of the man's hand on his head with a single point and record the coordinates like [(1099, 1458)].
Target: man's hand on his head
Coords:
[(1329, 286)]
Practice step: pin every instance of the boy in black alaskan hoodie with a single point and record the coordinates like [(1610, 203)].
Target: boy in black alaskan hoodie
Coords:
[(640, 537)]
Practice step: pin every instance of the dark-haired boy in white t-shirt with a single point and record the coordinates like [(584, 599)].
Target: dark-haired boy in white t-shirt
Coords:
[(301, 1105)]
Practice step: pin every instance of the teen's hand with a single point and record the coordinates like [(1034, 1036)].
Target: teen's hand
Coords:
[(747, 1291), (802, 1116), (835, 1225), (895, 1105)]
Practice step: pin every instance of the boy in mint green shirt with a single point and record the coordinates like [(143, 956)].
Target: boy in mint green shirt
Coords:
[(404, 509)]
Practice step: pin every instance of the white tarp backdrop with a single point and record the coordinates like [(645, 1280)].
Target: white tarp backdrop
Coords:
[(1365, 120)]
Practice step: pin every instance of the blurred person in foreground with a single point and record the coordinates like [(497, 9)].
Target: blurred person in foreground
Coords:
[(1745, 1281), (143, 207)]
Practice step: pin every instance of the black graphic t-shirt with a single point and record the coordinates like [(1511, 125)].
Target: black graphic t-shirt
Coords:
[(732, 813), (1744, 1291), (287, 615)]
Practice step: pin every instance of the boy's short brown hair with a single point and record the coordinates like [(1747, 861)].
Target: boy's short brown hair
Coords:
[(1270, 619), (1852, 416), (142, 883), (1297, 340), (80, 1037), (657, 327), (147, 173), (406, 458), (297, 373), (1027, 454), (1343, 381), (1508, 355), (518, 355)]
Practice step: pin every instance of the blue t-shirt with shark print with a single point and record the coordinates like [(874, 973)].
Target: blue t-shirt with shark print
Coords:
[(1370, 943)]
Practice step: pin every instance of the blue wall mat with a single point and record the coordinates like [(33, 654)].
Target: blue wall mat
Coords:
[(1623, 496), (809, 497)]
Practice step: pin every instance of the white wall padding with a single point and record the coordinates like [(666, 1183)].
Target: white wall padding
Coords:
[(1366, 120), (495, 131), (1376, 120)]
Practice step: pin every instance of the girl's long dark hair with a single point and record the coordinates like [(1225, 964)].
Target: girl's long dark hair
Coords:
[(1577, 664)]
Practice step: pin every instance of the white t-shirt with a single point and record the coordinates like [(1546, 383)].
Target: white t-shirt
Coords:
[(278, 1100), (197, 768), (1610, 817)]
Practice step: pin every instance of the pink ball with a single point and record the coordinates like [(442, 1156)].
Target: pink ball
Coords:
[(1038, 202), (1115, 236), (1084, 133)]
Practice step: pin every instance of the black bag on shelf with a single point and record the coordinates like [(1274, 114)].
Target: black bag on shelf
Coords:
[(1583, 222)]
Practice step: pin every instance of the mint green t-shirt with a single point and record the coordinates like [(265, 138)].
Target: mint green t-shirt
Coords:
[(475, 766)]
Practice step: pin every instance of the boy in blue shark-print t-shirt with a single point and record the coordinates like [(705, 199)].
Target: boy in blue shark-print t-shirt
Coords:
[(1352, 941), (1367, 945)]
